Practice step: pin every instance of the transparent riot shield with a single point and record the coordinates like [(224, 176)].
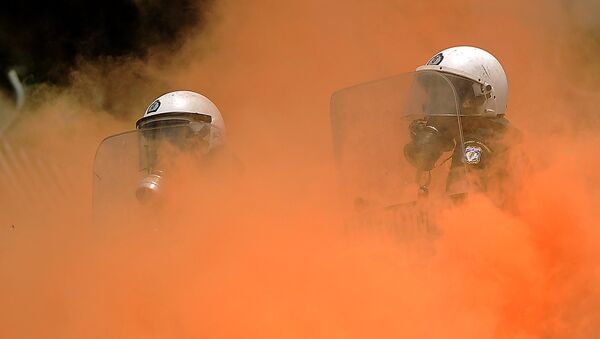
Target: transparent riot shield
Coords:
[(398, 146), (132, 169)]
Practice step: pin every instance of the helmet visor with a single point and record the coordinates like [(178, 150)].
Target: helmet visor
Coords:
[(432, 94), (162, 139), (471, 95), (443, 94), (372, 124), (124, 159)]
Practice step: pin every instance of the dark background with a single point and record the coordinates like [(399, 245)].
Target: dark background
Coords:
[(44, 40)]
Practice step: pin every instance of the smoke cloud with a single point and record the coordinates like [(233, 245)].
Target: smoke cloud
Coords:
[(266, 254)]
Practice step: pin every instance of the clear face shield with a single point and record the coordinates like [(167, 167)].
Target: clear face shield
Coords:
[(452, 108), (434, 114), (394, 139), (160, 140), (161, 143), (438, 93), (131, 169)]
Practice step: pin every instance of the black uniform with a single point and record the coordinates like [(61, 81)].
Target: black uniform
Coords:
[(484, 155)]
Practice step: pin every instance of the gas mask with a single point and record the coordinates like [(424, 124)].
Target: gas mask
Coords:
[(452, 107), (161, 143), (430, 138)]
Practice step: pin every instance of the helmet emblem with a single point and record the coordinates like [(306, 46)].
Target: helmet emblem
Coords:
[(472, 154), (436, 60), (153, 107)]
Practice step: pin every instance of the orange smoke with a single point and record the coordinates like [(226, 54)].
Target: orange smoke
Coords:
[(266, 255)]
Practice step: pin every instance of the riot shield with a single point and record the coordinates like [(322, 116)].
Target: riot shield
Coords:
[(375, 128), (130, 168)]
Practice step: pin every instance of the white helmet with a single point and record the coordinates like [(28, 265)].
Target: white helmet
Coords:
[(482, 68), (185, 106)]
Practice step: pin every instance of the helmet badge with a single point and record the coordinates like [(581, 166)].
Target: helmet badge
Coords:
[(153, 107), (436, 60)]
